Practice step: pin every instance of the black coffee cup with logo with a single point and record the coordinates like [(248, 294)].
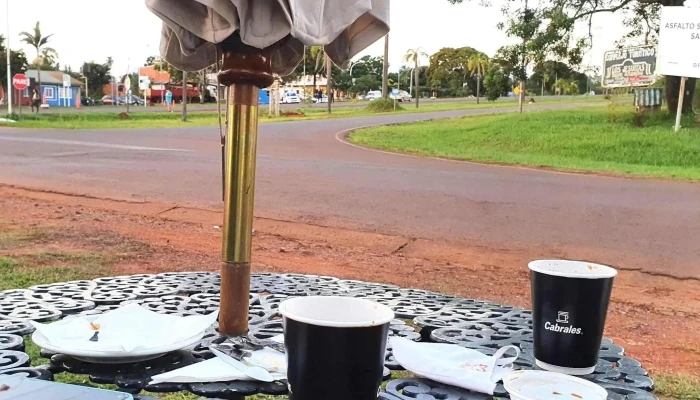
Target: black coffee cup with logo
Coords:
[(335, 347), (569, 306)]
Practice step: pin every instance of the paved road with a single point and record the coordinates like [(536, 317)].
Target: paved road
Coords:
[(305, 173)]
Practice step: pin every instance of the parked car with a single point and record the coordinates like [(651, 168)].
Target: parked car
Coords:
[(290, 98), (133, 100), (108, 100), (87, 101), (402, 95), (323, 99)]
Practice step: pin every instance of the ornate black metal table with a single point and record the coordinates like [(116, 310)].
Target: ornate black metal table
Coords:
[(436, 317)]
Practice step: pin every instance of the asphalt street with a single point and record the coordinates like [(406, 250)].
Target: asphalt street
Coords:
[(307, 173)]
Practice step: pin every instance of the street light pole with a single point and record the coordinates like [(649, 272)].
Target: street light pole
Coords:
[(8, 90)]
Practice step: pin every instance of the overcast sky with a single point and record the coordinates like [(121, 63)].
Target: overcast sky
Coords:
[(92, 30)]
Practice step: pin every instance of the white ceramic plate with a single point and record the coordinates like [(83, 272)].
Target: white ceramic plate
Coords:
[(544, 385), (114, 357)]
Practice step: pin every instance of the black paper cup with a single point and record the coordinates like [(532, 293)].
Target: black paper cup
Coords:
[(335, 347), (569, 306)]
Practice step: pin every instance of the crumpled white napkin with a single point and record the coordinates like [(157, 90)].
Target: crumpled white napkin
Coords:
[(125, 329), (454, 365), (216, 369)]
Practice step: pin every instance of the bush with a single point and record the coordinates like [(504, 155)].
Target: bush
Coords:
[(382, 106), (494, 82)]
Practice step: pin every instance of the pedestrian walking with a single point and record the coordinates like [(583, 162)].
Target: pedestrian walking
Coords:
[(36, 100), (169, 100)]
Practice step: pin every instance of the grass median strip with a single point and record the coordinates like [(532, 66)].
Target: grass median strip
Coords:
[(85, 119), (579, 140)]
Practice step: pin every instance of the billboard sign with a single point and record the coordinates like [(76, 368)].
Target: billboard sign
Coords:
[(634, 66), (679, 42)]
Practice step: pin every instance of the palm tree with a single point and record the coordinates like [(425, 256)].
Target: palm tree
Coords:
[(319, 57), (38, 41), (562, 86), (477, 65), (413, 56), (573, 88), (545, 79)]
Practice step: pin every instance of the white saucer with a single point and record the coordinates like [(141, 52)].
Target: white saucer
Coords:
[(114, 357)]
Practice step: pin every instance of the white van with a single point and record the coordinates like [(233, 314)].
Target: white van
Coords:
[(374, 94)]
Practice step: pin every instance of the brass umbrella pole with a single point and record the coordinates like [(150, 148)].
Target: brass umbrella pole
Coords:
[(244, 70)]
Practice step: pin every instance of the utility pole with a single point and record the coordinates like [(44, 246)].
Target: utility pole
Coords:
[(8, 89), (329, 81), (385, 69), (304, 75), (184, 96)]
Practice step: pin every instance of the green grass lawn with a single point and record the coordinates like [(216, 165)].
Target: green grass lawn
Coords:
[(102, 120), (577, 140)]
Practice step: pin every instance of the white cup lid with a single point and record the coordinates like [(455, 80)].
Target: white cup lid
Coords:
[(544, 385)]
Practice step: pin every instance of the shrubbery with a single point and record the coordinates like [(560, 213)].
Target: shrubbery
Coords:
[(382, 106)]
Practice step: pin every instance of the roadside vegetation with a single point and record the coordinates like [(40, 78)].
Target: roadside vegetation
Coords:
[(140, 119), (588, 140)]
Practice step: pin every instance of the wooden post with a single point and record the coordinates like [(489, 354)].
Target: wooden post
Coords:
[(385, 69), (184, 96), (521, 96), (679, 111), (244, 70), (329, 82)]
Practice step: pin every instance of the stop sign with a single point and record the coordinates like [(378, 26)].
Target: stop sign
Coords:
[(20, 81)]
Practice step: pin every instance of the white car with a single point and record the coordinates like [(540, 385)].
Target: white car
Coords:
[(401, 96), (323, 99), (374, 94), (290, 98)]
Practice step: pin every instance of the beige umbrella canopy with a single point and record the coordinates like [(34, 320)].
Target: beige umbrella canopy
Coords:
[(254, 39), (192, 28)]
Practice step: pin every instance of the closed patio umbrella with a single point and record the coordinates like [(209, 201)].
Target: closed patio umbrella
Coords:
[(250, 40)]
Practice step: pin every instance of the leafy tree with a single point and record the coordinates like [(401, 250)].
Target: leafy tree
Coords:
[(558, 21), (555, 71), (342, 80), (18, 60), (495, 83), (38, 41), (366, 83), (99, 75), (449, 69), (48, 60), (368, 66), (413, 56)]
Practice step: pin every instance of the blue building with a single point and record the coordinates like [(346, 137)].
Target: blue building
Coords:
[(52, 88), (264, 96)]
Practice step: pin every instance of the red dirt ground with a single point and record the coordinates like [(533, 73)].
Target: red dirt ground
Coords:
[(656, 318)]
